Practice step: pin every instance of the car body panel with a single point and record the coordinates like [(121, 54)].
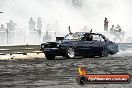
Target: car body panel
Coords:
[(82, 47)]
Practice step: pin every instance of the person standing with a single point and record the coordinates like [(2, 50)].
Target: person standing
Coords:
[(112, 29), (118, 27), (32, 24), (11, 26), (2, 28), (106, 24), (46, 37), (39, 23)]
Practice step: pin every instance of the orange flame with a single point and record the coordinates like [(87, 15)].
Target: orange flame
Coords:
[(81, 71)]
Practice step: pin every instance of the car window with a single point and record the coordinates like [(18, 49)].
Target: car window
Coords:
[(72, 37), (98, 38), (87, 37)]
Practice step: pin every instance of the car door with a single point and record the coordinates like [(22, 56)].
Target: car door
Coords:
[(84, 47), (98, 44)]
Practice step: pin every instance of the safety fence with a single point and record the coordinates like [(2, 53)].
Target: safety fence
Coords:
[(20, 49)]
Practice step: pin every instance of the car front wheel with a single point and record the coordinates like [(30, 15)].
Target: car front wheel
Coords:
[(70, 53)]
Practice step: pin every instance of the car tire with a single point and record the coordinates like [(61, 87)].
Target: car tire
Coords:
[(104, 53), (50, 56), (70, 52)]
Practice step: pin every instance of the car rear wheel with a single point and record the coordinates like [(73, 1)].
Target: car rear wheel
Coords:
[(104, 53), (50, 56), (70, 53)]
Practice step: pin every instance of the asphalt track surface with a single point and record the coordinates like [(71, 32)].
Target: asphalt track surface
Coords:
[(61, 72)]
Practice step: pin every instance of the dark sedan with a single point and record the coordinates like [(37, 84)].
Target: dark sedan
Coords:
[(80, 44)]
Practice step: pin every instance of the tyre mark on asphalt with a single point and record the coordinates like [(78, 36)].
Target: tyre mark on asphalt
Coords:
[(63, 72)]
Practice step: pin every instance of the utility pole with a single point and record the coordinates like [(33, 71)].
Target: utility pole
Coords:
[(1, 12), (7, 36)]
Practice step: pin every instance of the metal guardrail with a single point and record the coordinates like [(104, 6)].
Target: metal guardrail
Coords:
[(20, 49)]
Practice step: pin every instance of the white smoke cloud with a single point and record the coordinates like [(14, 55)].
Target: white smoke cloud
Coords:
[(90, 13), (122, 53)]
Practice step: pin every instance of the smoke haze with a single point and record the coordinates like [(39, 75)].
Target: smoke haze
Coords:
[(65, 13), (90, 12)]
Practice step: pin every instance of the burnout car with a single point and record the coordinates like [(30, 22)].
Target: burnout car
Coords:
[(80, 44)]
